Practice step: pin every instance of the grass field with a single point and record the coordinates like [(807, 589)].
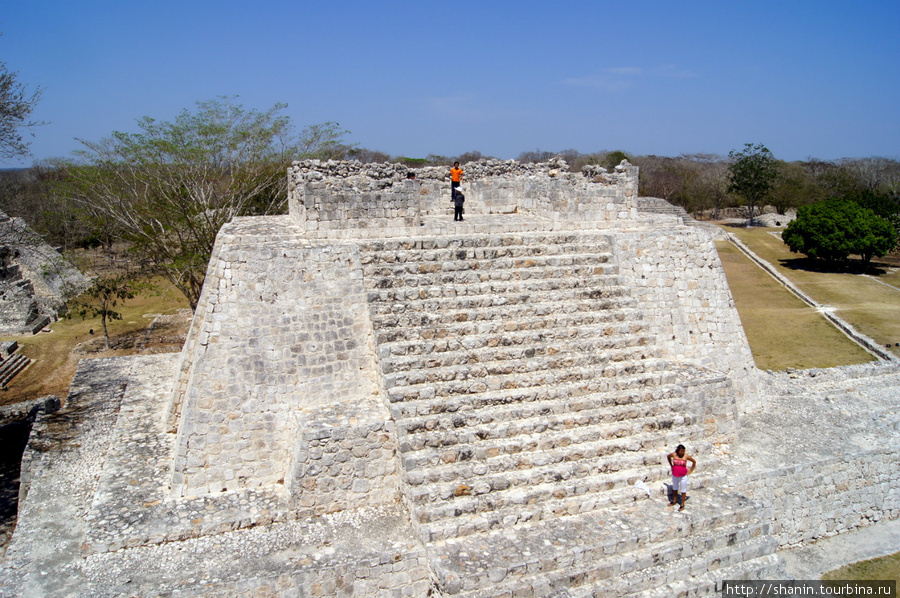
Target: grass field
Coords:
[(870, 301), (55, 354), (783, 331), (884, 568)]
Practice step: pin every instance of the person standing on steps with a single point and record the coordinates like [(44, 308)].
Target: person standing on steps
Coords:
[(458, 202), (678, 462), (456, 176)]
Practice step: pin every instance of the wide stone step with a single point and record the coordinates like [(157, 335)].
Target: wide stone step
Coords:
[(605, 549), (414, 327), (425, 400), (529, 505), (768, 566), (540, 415), (456, 270), (513, 355), (458, 441), (419, 385), (485, 272), (482, 246), (11, 367), (431, 312), (515, 291), (718, 563), (500, 337), (556, 464)]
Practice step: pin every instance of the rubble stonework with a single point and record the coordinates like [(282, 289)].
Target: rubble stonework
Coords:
[(374, 400), (35, 280), (348, 199)]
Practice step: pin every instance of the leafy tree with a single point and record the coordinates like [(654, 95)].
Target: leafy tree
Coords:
[(753, 173), (793, 187), (834, 229), (613, 159), (168, 189), (101, 300), (16, 105)]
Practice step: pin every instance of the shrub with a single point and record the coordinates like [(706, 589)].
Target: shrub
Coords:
[(833, 230)]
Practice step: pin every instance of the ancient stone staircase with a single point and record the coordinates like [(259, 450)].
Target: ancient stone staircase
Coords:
[(529, 400), (11, 362)]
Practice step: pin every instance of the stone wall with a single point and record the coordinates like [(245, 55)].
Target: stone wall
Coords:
[(818, 499), (279, 385), (678, 279), (332, 199)]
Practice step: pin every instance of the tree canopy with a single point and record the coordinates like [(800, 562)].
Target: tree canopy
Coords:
[(753, 171), (168, 189), (834, 229)]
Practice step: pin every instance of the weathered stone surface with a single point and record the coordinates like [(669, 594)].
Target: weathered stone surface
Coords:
[(35, 280), (414, 407)]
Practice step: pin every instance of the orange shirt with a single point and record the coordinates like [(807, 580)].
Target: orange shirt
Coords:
[(455, 174)]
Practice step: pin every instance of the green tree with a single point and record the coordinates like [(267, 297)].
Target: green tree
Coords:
[(168, 189), (793, 187), (753, 173), (101, 300), (613, 159), (834, 229), (16, 105)]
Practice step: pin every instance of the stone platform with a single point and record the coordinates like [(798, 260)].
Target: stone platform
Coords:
[(512, 426)]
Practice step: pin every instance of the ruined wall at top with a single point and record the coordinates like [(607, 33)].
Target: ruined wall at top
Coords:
[(347, 199)]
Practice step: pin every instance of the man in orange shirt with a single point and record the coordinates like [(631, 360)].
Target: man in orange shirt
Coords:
[(456, 175)]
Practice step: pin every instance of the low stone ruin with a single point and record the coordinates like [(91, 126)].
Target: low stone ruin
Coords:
[(35, 280), (374, 400)]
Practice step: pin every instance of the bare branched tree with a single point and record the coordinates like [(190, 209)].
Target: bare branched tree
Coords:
[(16, 105), (168, 189)]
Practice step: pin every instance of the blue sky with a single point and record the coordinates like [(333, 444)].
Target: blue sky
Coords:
[(806, 78)]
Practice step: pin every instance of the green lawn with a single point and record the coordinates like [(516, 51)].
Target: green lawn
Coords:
[(783, 331), (55, 354), (870, 302)]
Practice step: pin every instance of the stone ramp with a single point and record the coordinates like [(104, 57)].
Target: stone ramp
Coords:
[(643, 549)]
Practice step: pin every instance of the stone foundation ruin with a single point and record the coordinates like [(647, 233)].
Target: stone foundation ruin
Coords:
[(375, 400)]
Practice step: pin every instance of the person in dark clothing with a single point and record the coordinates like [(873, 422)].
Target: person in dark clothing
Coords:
[(458, 200)]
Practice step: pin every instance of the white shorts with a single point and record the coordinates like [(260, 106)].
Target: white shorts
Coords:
[(679, 484)]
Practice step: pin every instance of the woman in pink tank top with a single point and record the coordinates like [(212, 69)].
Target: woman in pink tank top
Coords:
[(678, 461)]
